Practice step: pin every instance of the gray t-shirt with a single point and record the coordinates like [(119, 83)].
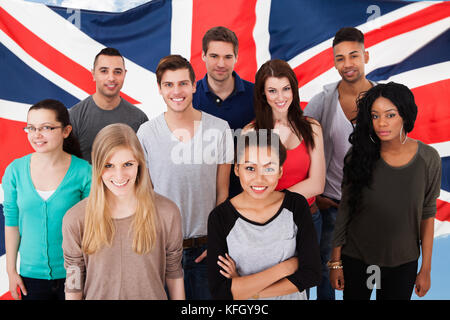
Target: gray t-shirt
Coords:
[(88, 119), (186, 172), (386, 231)]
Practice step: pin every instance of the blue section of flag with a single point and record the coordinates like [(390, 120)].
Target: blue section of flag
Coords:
[(22, 84), (445, 183), (141, 34), (296, 26)]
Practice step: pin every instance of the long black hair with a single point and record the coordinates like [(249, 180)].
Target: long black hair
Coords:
[(360, 161), (71, 144)]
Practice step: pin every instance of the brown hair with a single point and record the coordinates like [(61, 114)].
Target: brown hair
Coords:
[(263, 112), (173, 62), (220, 34)]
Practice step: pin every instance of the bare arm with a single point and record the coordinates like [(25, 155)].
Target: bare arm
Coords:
[(279, 288), (315, 183), (245, 287), (423, 280), (12, 241), (74, 295), (222, 182), (176, 288), (336, 275)]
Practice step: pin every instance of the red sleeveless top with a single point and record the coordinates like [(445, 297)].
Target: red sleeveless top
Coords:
[(295, 168)]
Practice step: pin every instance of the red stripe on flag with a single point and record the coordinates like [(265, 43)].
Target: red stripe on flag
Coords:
[(433, 118), (323, 61), (13, 142), (6, 296), (48, 56), (443, 210), (237, 15)]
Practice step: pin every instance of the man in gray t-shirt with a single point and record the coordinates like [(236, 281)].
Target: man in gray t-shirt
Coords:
[(105, 106), (189, 155)]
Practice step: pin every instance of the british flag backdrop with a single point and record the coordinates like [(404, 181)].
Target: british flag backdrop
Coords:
[(47, 52)]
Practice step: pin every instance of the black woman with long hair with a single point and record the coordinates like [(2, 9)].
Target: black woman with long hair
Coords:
[(386, 217)]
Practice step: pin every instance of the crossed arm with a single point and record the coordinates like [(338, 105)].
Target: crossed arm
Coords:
[(268, 283)]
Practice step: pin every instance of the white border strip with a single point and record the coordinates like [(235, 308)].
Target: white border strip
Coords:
[(443, 148), (441, 228), (444, 196), (422, 76), (181, 28), (14, 110), (261, 34)]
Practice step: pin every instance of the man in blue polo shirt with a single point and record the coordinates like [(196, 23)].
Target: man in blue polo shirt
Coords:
[(222, 92)]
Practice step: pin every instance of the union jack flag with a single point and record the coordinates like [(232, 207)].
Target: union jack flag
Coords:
[(47, 52)]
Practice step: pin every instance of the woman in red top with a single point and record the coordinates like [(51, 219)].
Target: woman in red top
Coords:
[(277, 106)]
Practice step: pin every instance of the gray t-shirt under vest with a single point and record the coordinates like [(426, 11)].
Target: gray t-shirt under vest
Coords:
[(88, 119), (186, 172)]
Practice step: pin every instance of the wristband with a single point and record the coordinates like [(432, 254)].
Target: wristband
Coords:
[(334, 264)]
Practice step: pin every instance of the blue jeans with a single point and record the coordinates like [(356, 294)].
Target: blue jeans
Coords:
[(324, 221), (195, 275)]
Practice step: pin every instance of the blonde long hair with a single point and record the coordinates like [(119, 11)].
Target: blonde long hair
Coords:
[(99, 226)]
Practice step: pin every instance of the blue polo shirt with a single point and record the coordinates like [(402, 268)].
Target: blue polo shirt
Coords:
[(236, 109)]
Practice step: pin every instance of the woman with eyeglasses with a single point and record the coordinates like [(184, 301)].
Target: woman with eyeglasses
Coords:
[(38, 190)]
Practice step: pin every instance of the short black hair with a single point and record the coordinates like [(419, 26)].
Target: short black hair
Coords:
[(112, 52), (348, 34)]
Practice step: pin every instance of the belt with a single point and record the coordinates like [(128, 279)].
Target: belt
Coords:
[(313, 208), (194, 242)]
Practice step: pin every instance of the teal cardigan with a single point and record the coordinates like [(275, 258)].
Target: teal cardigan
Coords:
[(39, 221)]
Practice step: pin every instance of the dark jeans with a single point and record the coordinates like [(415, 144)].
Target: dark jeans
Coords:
[(324, 221), (195, 275), (396, 283), (41, 289)]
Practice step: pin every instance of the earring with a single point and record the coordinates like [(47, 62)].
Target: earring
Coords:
[(370, 136), (406, 137)]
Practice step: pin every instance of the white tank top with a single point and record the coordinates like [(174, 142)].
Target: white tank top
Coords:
[(45, 194)]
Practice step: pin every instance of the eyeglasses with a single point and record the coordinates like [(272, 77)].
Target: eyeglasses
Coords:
[(44, 129)]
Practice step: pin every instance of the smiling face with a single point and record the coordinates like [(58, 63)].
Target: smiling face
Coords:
[(120, 172), (279, 95), (387, 122), (177, 90), (219, 60), (109, 75), (258, 171), (46, 140), (350, 59)]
